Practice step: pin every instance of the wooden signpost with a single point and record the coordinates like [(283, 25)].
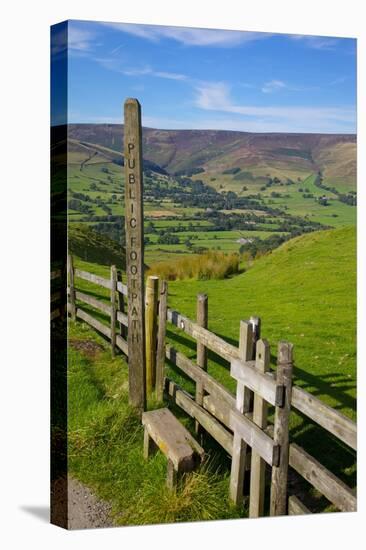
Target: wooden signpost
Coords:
[(134, 221)]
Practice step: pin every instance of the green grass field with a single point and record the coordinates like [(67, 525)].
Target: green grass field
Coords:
[(304, 292), (106, 440)]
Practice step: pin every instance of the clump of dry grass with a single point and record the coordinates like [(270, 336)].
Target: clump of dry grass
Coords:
[(210, 265)]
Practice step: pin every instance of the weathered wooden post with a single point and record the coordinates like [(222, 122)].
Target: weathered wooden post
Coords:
[(278, 505), (151, 311), (70, 269), (113, 309), (121, 305), (258, 465), (160, 354), (135, 253), (202, 321), (256, 329), (242, 404)]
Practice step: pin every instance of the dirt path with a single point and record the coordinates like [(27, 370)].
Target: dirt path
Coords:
[(85, 510)]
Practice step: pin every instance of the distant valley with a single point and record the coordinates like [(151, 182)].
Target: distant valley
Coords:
[(209, 189)]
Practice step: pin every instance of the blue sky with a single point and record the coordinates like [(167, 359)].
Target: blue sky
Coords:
[(212, 79)]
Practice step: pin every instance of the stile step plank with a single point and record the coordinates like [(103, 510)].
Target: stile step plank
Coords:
[(175, 442)]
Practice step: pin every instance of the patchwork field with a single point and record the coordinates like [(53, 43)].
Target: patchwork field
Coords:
[(242, 188)]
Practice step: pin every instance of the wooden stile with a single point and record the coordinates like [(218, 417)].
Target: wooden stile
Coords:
[(184, 400), (257, 472), (202, 321), (70, 269), (160, 354), (151, 310), (113, 309), (242, 405), (278, 506)]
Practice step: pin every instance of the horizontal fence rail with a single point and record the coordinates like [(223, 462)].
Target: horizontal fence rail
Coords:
[(331, 420)]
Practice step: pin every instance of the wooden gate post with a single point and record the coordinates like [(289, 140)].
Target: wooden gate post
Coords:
[(113, 309), (70, 269), (160, 354), (242, 404), (151, 311), (258, 465), (134, 224), (202, 321), (278, 505)]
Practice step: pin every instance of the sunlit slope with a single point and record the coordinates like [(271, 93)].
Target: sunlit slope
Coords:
[(304, 292)]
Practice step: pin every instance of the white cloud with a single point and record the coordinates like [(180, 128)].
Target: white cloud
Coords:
[(273, 86), (151, 72), (316, 42), (80, 39), (190, 36), (118, 66), (216, 97), (339, 80)]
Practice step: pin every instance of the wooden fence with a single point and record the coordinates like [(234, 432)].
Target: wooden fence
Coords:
[(239, 423)]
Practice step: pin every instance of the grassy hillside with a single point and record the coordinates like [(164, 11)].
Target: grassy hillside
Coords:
[(286, 155), (304, 292), (93, 247)]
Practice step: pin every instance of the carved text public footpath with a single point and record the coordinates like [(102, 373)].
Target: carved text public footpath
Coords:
[(135, 253)]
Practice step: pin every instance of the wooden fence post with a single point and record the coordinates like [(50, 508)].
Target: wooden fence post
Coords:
[(70, 268), (121, 306), (256, 326), (134, 227), (278, 505), (258, 465), (242, 405), (202, 321), (151, 311), (113, 309), (160, 355)]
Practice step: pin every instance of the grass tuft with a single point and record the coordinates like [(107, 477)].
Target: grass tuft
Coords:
[(210, 265)]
